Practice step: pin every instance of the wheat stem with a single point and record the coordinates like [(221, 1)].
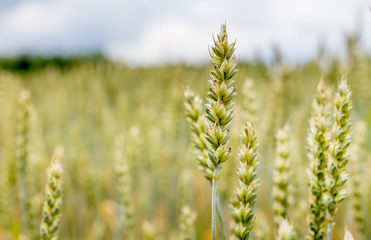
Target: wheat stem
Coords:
[(213, 209), (329, 231), (220, 217)]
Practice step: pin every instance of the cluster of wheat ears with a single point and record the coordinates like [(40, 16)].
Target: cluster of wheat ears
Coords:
[(328, 142), (131, 186)]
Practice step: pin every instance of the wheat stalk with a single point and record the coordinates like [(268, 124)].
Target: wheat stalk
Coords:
[(339, 151), (219, 110), (282, 186), (318, 141), (242, 206), (124, 185), (196, 117), (22, 154), (53, 202)]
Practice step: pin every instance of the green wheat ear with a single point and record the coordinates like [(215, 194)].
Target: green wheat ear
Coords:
[(219, 101), (51, 216), (318, 141), (339, 152), (245, 194), (197, 120), (339, 147)]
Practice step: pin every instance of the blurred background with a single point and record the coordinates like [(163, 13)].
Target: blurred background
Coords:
[(106, 81)]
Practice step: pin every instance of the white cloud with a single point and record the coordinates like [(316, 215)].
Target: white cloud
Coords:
[(163, 42), (152, 32)]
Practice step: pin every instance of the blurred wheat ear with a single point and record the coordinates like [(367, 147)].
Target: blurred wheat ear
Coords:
[(281, 176), (51, 215), (124, 188), (22, 156), (357, 174), (187, 223), (285, 231)]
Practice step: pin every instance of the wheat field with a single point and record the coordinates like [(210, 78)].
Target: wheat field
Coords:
[(101, 150)]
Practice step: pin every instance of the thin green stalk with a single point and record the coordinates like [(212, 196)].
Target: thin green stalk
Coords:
[(213, 210), (220, 216), (329, 231)]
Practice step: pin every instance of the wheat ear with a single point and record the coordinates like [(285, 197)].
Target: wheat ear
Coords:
[(242, 206), (22, 154), (53, 201), (281, 189), (219, 110), (195, 116), (249, 103), (124, 185), (339, 152), (357, 173), (318, 141)]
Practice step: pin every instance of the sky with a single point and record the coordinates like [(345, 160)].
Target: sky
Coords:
[(142, 32)]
